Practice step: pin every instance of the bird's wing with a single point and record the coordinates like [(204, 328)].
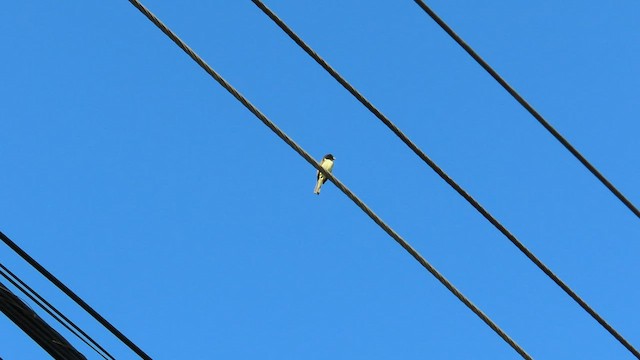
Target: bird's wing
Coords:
[(319, 173)]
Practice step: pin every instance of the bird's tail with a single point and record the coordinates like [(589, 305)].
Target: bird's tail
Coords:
[(318, 185)]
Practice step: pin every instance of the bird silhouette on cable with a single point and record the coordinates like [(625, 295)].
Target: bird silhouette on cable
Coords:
[(327, 164)]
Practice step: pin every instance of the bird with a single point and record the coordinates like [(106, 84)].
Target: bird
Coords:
[(327, 164)]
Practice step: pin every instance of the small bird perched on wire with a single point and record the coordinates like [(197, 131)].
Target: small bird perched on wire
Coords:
[(327, 164)]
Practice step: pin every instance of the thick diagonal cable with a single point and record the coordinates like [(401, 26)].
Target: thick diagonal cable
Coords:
[(529, 108), (284, 137), (443, 175), (73, 296), (36, 328), (53, 312)]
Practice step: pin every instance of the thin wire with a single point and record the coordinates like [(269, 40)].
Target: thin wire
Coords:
[(443, 175), (284, 137), (53, 312), (529, 108), (73, 296)]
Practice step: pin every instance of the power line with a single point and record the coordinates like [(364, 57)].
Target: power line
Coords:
[(284, 137), (53, 312), (530, 109), (26, 319), (73, 296), (444, 176)]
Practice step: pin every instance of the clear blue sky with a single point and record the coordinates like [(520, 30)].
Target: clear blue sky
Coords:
[(158, 198)]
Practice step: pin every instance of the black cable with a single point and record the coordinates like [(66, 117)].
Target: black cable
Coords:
[(73, 296), (43, 334), (53, 312), (4, 274), (531, 110), (263, 118), (443, 175)]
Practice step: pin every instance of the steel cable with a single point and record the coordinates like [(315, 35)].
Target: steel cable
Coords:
[(263, 118), (531, 110)]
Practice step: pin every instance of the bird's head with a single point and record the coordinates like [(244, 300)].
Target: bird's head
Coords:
[(329, 157)]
